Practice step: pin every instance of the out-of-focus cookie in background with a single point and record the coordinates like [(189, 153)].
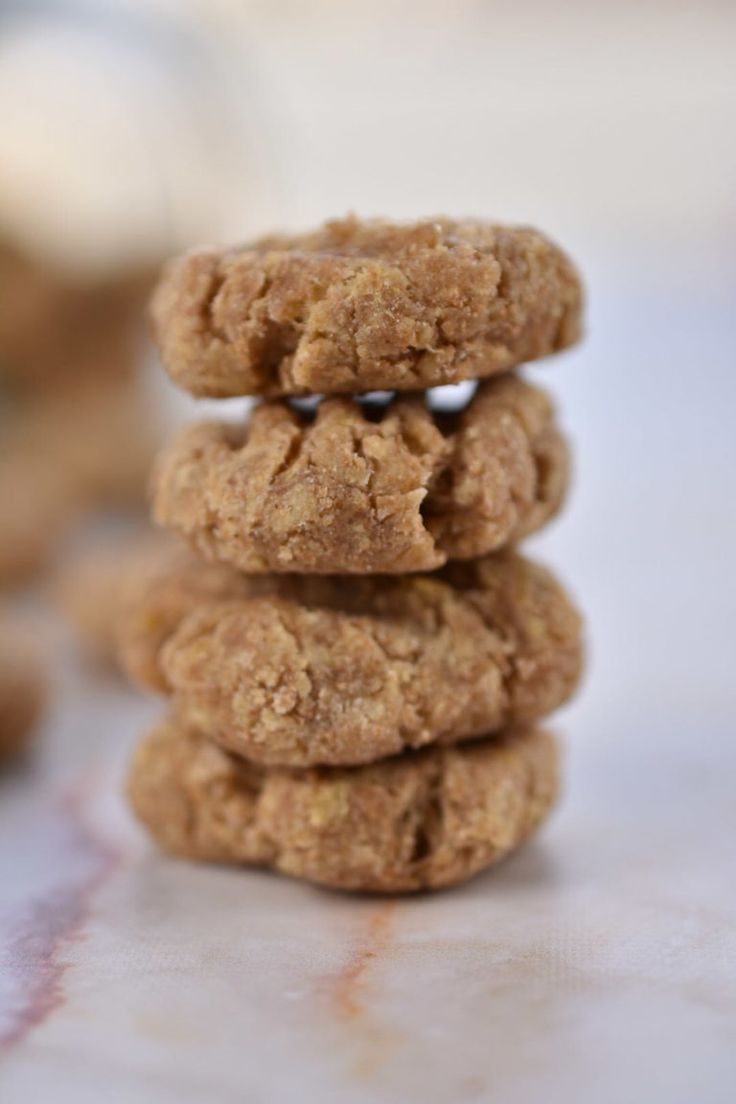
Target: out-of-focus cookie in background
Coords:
[(23, 687), (93, 587), (117, 149), (109, 161)]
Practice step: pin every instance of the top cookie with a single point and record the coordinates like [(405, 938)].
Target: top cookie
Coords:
[(361, 306)]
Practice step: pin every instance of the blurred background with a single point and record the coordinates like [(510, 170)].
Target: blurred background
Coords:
[(131, 129)]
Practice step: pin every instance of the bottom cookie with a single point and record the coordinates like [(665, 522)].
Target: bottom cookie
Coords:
[(421, 820)]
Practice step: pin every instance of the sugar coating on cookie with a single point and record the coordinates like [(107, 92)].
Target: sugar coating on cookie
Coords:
[(359, 489), (421, 820), (299, 670), (22, 689), (365, 305)]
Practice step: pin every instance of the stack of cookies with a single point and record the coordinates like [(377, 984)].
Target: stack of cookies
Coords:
[(357, 657)]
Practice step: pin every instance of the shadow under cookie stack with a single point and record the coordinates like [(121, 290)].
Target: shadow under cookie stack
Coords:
[(357, 657)]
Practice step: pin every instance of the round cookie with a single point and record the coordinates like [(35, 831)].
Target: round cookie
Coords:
[(300, 671), (355, 488), (419, 821), (365, 305), (22, 689)]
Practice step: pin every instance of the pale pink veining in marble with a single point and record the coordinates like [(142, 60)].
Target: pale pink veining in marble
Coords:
[(35, 930)]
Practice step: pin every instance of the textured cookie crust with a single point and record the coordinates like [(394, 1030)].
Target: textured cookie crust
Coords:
[(361, 306), (22, 689), (300, 671), (422, 820), (359, 489)]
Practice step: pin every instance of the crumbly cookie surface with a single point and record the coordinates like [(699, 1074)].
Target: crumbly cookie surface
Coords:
[(22, 689), (421, 820), (359, 489), (365, 305), (299, 670)]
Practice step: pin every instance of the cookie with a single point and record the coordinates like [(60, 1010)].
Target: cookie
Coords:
[(62, 456), (419, 821), (155, 595), (55, 329), (90, 585), (365, 305), (99, 435), (299, 670), (359, 488), (36, 505), (125, 598), (22, 689)]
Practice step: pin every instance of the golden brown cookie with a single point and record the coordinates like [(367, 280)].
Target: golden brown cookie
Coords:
[(365, 305), (22, 688), (299, 670), (362, 489), (421, 820)]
